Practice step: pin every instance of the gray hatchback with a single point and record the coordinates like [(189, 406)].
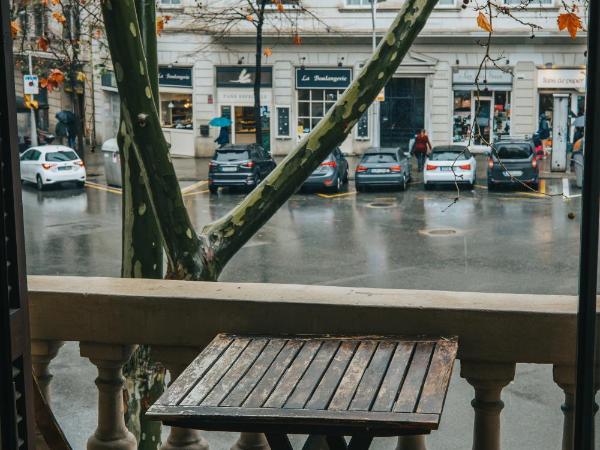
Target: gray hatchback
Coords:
[(383, 167)]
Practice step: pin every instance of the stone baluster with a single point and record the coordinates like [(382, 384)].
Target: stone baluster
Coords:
[(251, 441), (42, 353), (488, 379), (176, 360), (111, 432), (565, 376), (411, 443)]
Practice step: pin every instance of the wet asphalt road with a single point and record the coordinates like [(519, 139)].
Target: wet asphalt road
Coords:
[(508, 241)]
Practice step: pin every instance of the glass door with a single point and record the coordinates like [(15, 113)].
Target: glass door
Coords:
[(482, 111)]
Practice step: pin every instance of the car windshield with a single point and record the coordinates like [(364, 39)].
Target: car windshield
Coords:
[(513, 151), (61, 156), (232, 155), (448, 156), (379, 158)]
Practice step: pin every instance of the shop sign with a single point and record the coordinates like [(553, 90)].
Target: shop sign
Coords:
[(243, 76), (484, 77), (175, 76), (31, 85), (561, 79), (323, 78), (242, 97)]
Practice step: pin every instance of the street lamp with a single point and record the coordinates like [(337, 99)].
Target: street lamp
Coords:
[(375, 108)]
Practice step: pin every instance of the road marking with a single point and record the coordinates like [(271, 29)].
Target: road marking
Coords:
[(189, 194), (343, 194), (102, 187), (567, 189), (193, 186), (542, 186)]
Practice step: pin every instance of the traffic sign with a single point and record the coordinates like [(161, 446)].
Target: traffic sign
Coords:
[(31, 84)]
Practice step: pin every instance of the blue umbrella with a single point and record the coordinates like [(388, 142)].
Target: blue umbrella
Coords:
[(219, 122)]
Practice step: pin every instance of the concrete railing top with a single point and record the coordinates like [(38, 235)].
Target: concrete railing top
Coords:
[(491, 327)]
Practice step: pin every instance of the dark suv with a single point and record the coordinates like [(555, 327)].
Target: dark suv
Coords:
[(243, 165), (513, 161)]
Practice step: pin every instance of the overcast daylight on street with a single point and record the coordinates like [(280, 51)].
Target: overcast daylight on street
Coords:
[(277, 224)]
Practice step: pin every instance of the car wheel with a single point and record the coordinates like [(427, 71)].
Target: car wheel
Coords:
[(359, 188), (428, 187), (81, 184), (338, 185), (213, 189), (39, 183), (346, 178), (404, 184), (535, 186), (491, 186)]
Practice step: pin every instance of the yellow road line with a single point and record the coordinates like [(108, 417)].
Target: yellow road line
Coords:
[(189, 194), (343, 194), (102, 187), (194, 186)]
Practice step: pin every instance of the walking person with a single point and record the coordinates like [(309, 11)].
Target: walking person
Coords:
[(421, 148), (223, 137), (544, 129)]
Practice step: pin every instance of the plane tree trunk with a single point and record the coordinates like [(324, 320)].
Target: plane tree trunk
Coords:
[(203, 256), (142, 254)]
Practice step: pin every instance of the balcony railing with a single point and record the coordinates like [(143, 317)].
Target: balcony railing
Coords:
[(109, 316)]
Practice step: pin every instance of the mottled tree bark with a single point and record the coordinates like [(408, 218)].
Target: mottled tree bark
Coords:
[(142, 255), (204, 257)]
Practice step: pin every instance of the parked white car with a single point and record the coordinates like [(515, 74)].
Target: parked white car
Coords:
[(51, 164), (449, 164)]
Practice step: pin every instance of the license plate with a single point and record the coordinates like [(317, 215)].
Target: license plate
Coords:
[(229, 169), (64, 168), (446, 169), (513, 173), (380, 170)]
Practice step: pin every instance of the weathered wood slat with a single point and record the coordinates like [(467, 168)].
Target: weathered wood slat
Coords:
[(438, 378), (324, 386), (393, 378), (195, 371), (216, 372), (293, 374), (331, 380), (272, 376), (347, 387), (411, 388), (238, 394), (235, 373), (312, 376), (373, 377)]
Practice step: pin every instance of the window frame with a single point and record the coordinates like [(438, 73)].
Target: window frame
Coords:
[(323, 102)]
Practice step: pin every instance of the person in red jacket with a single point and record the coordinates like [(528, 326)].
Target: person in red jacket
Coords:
[(422, 148)]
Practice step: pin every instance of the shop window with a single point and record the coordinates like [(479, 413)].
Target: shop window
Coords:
[(170, 2), (446, 3), (176, 111), (313, 104), (358, 3), (462, 116), (491, 110), (40, 19)]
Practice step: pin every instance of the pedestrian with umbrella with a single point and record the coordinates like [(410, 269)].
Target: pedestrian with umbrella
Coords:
[(66, 127), (224, 123)]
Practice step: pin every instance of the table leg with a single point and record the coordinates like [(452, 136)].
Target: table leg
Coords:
[(278, 441), (337, 443), (360, 442)]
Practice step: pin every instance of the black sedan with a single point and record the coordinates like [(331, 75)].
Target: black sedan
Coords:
[(513, 162), (239, 166), (331, 173), (383, 167)]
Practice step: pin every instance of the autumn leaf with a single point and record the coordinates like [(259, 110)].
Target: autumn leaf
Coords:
[(56, 76), (44, 2), (267, 52), (250, 18), (56, 2), (280, 7), (571, 22), (483, 22), (297, 39), (43, 83), (14, 29), (59, 17), (43, 43), (161, 21)]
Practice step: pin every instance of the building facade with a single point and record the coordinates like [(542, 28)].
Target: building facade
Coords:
[(439, 86)]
